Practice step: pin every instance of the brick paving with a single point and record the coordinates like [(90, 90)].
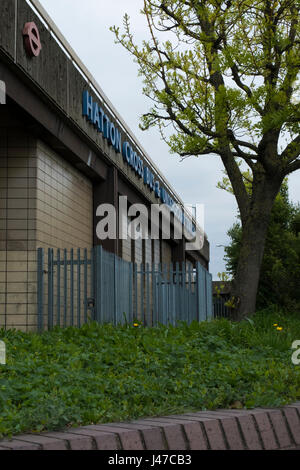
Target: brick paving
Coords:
[(257, 429)]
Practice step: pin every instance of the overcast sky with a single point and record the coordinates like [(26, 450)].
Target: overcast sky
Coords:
[(85, 24)]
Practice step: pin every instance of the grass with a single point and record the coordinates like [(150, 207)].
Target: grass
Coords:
[(98, 373)]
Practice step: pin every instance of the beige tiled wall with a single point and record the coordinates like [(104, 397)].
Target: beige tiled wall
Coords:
[(64, 203), (17, 236), (44, 202)]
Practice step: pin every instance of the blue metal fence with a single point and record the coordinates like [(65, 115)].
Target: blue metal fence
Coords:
[(77, 286)]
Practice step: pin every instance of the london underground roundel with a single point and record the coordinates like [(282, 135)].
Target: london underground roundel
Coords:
[(32, 39)]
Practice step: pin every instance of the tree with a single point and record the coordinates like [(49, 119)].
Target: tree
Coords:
[(280, 271), (225, 79)]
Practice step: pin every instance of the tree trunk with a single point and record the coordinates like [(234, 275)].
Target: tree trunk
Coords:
[(254, 232)]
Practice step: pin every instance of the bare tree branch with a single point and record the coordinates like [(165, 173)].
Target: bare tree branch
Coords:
[(245, 88), (292, 151), (292, 167)]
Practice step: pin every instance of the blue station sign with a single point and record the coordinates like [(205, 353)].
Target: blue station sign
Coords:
[(95, 114)]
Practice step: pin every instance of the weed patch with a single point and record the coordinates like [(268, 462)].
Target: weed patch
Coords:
[(72, 377)]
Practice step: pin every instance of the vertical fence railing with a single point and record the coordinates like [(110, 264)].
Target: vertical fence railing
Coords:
[(78, 286), (50, 288), (40, 288), (168, 294), (64, 283), (220, 307)]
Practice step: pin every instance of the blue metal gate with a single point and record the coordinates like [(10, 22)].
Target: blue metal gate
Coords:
[(75, 287)]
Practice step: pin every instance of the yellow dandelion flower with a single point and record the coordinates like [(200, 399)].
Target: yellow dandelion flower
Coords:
[(275, 324), (135, 324), (279, 328)]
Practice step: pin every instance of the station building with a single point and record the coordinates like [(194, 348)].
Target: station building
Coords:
[(64, 150)]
